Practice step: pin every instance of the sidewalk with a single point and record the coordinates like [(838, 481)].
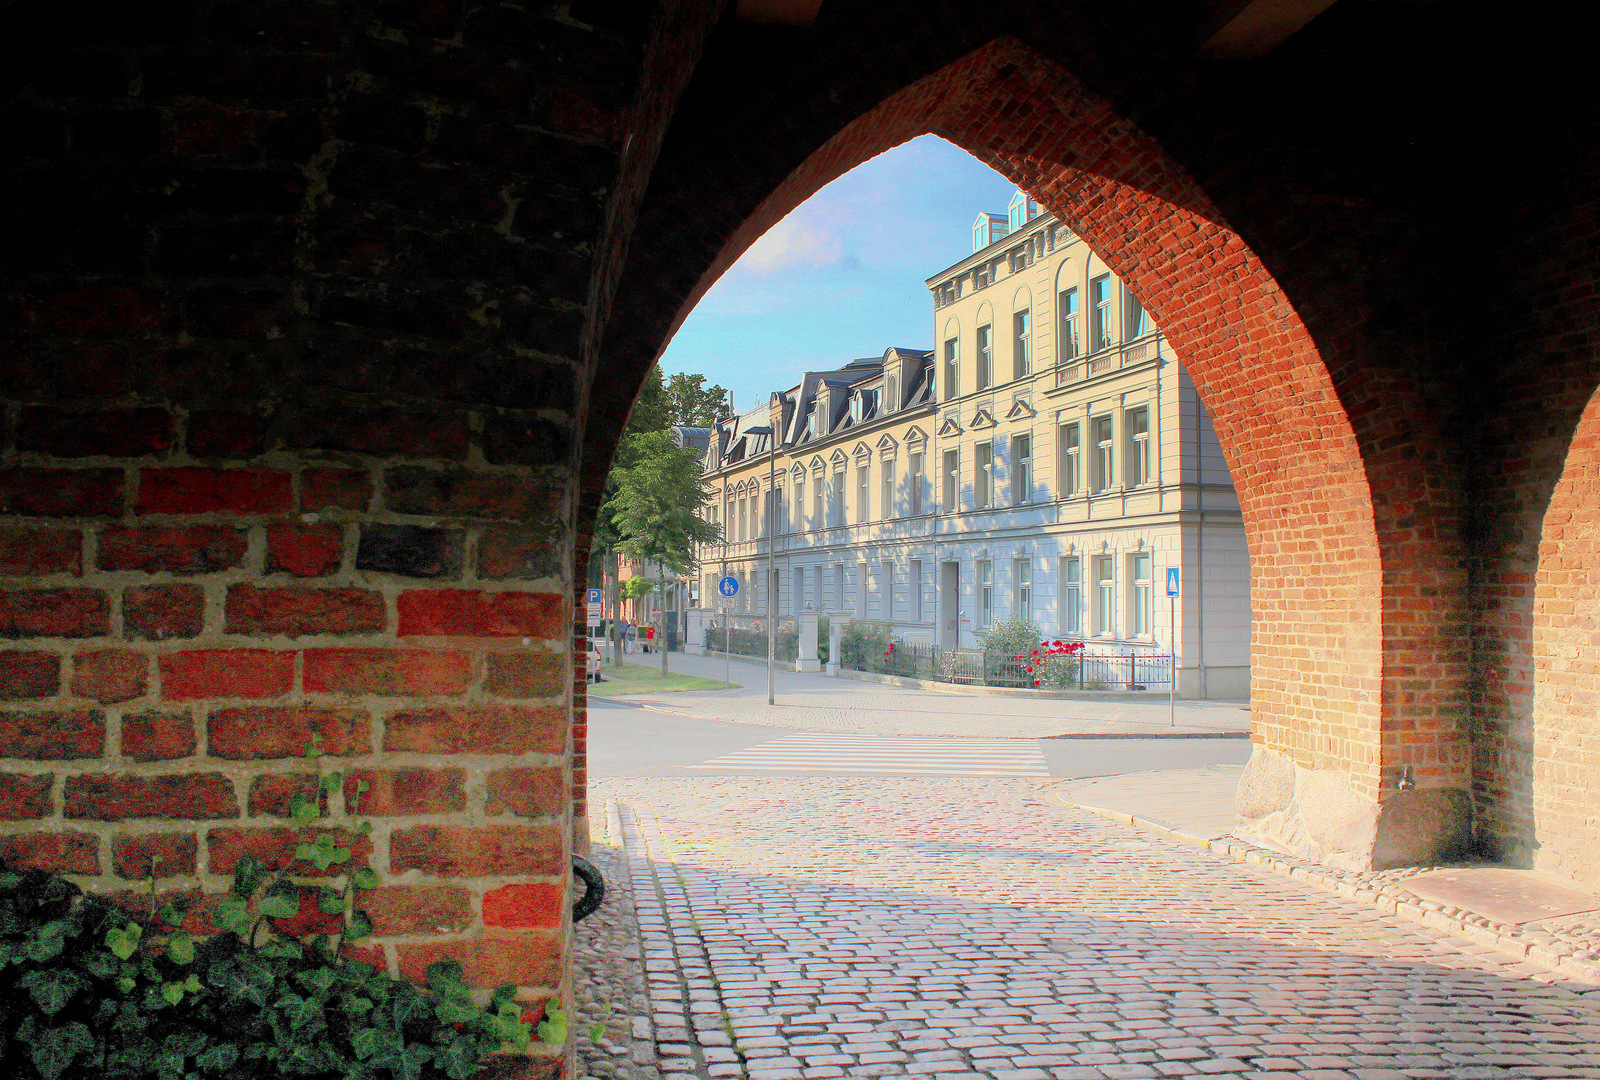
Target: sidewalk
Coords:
[(815, 702), (1528, 915)]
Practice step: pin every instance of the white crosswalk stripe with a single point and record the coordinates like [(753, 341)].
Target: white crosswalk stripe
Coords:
[(837, 754)]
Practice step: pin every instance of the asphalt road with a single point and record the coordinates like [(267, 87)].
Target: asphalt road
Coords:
[(627, 740)]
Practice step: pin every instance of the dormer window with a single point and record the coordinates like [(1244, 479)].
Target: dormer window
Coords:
[(857, 404), (891, 397), (1021, 211), (987, 229), (811, 423)]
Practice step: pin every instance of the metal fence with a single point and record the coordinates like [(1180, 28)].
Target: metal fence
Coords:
[(746, 635), (1137, 671)]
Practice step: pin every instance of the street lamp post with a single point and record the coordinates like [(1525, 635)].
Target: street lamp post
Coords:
[(772, 558)]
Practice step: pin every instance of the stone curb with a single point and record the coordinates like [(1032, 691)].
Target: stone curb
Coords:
[(1383, 892)]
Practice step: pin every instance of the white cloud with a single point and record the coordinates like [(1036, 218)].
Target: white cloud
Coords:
[(794, 243)]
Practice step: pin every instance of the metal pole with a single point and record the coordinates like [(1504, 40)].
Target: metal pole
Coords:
[(772, 563), (1172, 660), (727, 639)]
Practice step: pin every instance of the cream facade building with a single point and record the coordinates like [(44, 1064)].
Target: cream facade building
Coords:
[(1049, 456)]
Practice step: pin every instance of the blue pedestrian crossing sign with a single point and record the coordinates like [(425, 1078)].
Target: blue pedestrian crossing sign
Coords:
[(728, 586), (1173, 586)]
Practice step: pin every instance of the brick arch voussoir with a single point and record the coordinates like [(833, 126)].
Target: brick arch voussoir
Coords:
[(1317, 568)]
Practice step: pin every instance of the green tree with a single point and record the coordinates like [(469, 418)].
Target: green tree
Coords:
[(692, 403), (656, 510)]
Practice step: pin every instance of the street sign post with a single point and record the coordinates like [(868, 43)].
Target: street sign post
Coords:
[(1174, 590), (594, 607), (729, 588)]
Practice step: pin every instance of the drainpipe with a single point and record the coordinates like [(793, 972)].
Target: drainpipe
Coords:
[(1200, 544)]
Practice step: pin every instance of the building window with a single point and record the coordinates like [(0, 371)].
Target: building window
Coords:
[(1104, 454), (838, 586), (1105, 596), (983, 475), (1021, 469), (1071, 621), (1067, 304), (952, 369), (780, 507), (914, 482), (951, 478), (1139, 613), (743, 505), (1136, 429), (891, 394), (1023, 571), (798, 578), (864, 491), (1021, 358), (985, 591), (1135, 319), (811, 422), (861, 590), (887, 480), (1067, 436), (838, 497), (914, 582), (985, 357), (1100, 313), (799, 504), (819, 517), (886, 592)]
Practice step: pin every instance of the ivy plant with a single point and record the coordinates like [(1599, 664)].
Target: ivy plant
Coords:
[(85, 985)]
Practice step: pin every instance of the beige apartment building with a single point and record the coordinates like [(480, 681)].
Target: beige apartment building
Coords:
[(1048, 457)]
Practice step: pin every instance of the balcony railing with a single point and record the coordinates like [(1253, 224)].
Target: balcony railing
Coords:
[(1108, 359)]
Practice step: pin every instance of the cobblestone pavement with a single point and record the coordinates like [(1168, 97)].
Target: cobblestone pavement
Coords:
[(825, 703), (961, 930)]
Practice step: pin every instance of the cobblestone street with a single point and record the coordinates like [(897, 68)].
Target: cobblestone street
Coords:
[(959, 929)]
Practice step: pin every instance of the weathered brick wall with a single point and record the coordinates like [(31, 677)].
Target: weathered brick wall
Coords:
[(293, 296)]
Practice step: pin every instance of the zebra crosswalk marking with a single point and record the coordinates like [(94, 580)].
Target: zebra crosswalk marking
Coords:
[(874, 754)]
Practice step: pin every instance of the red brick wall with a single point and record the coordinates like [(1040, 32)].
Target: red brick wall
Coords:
[(177, 628)]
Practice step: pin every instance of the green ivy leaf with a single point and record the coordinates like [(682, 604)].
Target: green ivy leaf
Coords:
[(247, 875), (170, 914), (172, 992), (552, 1029), (52, 1049), (279, 906), (126, 984), (364, 829), (180, 948), (232, 915), (445, 975), (52, 988), (313, 748), (123, 943), (330, 901), (303, 810), (47, 941), (597, 1031), (455, 1012), (319, 980), (365, 1043), (364, 877), (282, 949), (330, 783), (192, 984), (357, 1005), (220, 1058), (360, 926), (322, 852)]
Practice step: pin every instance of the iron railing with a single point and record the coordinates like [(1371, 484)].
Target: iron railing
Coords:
[(1136, 671)]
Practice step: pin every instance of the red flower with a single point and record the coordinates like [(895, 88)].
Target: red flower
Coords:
[(1036, 682)]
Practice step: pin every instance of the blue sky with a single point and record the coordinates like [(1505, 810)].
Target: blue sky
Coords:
[(840, 277)]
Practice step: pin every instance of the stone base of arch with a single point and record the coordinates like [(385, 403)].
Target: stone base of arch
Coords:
[(1317, 814)]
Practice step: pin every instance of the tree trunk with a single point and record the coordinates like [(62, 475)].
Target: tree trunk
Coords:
[(616, 608), (661, 631)]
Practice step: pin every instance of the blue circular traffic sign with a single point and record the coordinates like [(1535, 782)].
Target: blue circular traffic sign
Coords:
[(728, 586)]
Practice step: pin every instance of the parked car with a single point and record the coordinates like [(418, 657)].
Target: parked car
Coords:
[(594, 661)]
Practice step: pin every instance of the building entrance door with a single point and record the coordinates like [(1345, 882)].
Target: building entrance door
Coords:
[(949, 605)]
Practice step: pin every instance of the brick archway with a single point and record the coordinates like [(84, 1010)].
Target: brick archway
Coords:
[(1355, 665), (1556, 812)]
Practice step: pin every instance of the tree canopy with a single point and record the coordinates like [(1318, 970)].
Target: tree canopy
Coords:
[(656, 506)]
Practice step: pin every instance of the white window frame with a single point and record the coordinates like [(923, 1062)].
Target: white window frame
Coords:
[(985, 357), (1021, 344), (1105, 587), (915, 483), (1136, 435), (1100, 314), (914, 583), (983, 581), (1071, 620), (1021, 469), (983, 475), (952, 368), (1067, 340), (838, 497), (1140, 593), (1069, 437), (886, 487), (952, 481), (1103, 429), (1022, 586)]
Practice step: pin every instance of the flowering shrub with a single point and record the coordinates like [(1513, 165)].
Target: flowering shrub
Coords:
[(1053, 665)]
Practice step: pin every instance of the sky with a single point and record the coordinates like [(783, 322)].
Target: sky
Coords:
[(842, 276)]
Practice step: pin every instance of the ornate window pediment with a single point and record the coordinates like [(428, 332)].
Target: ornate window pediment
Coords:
[(1020, 410), (915, 436), (862, 451), (839, 458), (950, 427), (982, 418)]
